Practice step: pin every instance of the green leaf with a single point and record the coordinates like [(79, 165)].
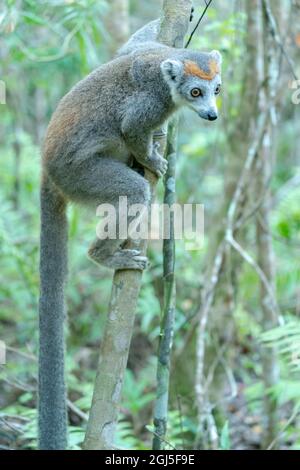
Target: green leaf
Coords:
[(225, 437)]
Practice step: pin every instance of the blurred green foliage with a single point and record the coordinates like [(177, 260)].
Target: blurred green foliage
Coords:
[(46, 47)]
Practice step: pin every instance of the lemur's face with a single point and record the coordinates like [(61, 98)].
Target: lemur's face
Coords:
[(195, 83)]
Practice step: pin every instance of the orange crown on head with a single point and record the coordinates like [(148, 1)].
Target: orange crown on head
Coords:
[(191, 68)]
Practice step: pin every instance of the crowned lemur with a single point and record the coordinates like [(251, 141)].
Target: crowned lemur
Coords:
[(98, 128)]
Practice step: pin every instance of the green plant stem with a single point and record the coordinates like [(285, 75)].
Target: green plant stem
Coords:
[(167, 322)]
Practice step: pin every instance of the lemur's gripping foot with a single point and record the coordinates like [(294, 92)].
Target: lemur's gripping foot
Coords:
[(121, 259)]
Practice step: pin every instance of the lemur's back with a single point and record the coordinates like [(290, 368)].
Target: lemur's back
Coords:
[(86, 109), (93, 109)]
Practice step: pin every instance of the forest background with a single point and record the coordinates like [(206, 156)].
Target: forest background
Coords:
[(236, 352)]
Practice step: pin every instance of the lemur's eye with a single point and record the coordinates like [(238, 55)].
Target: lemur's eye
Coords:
[(196, 92), (218, 90)]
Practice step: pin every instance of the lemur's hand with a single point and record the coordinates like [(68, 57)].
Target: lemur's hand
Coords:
[(157, 163), (160, 166)]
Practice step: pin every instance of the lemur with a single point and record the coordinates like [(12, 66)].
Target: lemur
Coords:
[(98, 127)]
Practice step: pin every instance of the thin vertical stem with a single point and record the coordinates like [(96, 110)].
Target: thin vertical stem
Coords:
[(167, 322)]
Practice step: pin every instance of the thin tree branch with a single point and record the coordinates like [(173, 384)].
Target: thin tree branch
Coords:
[(280, 434), (276, 35), (207, 5), (248, 258)]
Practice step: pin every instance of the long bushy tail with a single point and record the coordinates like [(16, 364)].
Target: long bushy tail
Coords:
[(53, 267)]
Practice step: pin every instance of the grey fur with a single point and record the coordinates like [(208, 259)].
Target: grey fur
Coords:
[(103, 125), (53, 265)]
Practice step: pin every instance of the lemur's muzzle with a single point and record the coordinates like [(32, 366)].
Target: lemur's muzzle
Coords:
[(208, 115), (212, 116)]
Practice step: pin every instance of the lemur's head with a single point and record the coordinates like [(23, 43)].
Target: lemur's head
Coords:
[(195, 81)]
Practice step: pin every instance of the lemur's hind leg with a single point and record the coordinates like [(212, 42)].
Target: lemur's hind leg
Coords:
[(100, 180)]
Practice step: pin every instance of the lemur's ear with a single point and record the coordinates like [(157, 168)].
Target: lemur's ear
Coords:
[(216, 56), (172, 70)]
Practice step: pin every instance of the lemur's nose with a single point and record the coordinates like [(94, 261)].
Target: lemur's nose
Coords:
[(212, 116)]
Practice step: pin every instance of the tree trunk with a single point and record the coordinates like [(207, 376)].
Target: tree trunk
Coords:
[(117, 24)]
